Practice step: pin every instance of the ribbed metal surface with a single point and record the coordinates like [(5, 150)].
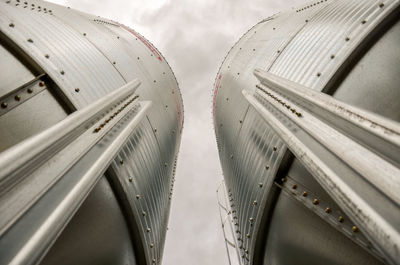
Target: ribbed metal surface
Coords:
[(309, 45), (86, 57)]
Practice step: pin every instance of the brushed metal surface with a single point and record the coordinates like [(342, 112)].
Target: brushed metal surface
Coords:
[(312, 46), (99, 219), (86, 57)]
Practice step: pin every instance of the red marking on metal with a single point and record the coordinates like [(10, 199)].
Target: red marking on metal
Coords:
[(216, 92), (145, 42)]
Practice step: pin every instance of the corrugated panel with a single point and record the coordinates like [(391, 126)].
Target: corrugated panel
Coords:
[(146, 181), (316, 52), (297, 45), (73, 61)]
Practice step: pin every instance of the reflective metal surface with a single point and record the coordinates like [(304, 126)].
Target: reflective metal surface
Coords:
[(86, 103), (292, 200)]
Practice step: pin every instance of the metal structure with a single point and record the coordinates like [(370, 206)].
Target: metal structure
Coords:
[(306, 115), (91, 118)]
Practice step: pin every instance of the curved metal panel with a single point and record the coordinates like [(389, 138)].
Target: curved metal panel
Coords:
[(78, 59), (310, 46)]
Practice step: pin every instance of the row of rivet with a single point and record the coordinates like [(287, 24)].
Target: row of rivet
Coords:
[(283, 103), (306, 7), (315, 201), (114, 114), (26, 4)]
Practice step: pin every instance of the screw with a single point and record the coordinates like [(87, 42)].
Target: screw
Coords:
[(4, 105), (315, 202)]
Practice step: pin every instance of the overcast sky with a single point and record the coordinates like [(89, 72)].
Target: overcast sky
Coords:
[(194, 36)]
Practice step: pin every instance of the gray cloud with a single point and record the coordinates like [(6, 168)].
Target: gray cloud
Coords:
[(194, 36)]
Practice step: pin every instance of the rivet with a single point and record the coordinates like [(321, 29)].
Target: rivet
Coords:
[(315, 202), (17, 98), (381, 5), (294, 186), (231, 156), (130, 179), (255, 203), (355, 229), (328, 210), (62, 72), (137, 197), (283, 179), (121, 161), (298, 114), (29, 90), (332, 56), (155, 130), (246, 251), (260, 185), (267, 167), (306, 20), (84, 34), (318, 74), (341, 219), (304, 193), (165, 164), (151, 245), (11, 25), (363, 22), (254, 50), (278, 51), (4, 105), (143, 213), (30, 40), (154, 81), (251, 219), (114, 63), (248, 235), (77, 90), (238, 73), (97, 129), (47, 56), (275, 148), (240, 121), (148, 229), (347, 38), (41, 83)]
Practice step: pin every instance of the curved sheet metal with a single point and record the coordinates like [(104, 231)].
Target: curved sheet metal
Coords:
[(77, 59), (312, 46)]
